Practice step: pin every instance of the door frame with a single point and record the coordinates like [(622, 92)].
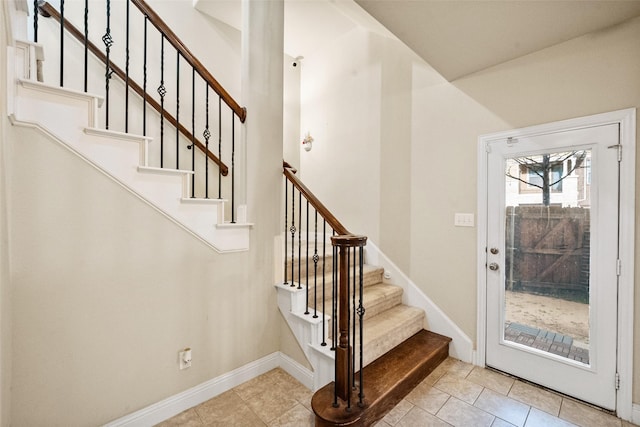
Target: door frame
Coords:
[(626, 119)]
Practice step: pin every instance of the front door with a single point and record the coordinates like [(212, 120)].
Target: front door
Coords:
[(552, 260)]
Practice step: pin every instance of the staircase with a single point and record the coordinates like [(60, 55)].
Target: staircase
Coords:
[(78, 120), (398, 352)]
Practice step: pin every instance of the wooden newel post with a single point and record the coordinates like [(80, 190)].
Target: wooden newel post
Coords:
[(343, 351), (344, 365)]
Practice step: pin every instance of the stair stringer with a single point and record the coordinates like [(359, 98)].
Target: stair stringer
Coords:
[(122, 157), (308, 332)]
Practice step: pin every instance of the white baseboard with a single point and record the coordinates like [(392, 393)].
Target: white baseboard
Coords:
[(635, 414), (173, 405)]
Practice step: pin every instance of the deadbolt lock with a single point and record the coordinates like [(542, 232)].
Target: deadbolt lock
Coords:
[(493, 266)]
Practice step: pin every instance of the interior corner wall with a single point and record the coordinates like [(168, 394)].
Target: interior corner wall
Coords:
[(341, 103)]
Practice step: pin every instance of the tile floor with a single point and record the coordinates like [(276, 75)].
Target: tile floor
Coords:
[(455, 394)]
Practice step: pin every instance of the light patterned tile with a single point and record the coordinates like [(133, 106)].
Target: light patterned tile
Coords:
[(458, 387), (456, 367), (586, 416), (243, 417), (219, 407), (381, 423), (450, 364), (298, 416), (428, 398), (418, 417), (538, 418), (501, 423), (461, 414), (493, 380), (399, 411), (268, 406), (188, 418), (536, 397), (503, 407)]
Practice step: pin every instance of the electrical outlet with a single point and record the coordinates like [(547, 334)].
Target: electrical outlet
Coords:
[(184, 358)]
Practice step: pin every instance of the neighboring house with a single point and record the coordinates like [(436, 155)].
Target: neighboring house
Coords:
[(98, 291)]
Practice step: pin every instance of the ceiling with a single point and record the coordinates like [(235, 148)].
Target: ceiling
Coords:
[(456, 37)]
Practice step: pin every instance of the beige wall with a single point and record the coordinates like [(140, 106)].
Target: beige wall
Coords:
[(106, 291), (5, 284), (410, 175)]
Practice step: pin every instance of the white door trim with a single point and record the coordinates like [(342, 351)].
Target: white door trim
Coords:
[(627, 121)]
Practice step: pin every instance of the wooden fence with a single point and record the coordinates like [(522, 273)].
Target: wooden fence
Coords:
[(547, 251)]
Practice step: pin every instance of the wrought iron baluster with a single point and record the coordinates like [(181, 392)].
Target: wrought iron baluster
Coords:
[(300, 242), (220, 147), (193, 133), (35, 20), (61, 43), (361, 311), (352, 319), (316, 258), (144, 81), (348, 323), (126, 71), (293, 228), (233, 168), (286, 220), (108, 42), (324, 263), (162, 91), (207, 135), (334, 298), (177, 109), (86, 43), (306, 311)]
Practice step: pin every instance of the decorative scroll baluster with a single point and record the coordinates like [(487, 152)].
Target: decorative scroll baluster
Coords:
[(300, 242), (207, 135), (108, 42), (61, 43), (86, 42), (162, 91), (316, 258), (293, 227), (307, 262), (286, 219), (360, 312)]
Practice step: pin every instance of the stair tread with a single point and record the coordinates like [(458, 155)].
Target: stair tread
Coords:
[(393, 318), (387, 380)]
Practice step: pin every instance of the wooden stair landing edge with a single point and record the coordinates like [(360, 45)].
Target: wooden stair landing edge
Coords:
[(387, 381)]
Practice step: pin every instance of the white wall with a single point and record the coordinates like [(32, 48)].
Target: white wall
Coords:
[(401, 142)]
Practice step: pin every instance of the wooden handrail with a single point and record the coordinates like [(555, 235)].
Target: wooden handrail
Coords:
[(155, 19), (313, 200), (47, 10)]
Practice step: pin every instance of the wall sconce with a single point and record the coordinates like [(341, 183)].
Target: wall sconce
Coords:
[(307, 142)]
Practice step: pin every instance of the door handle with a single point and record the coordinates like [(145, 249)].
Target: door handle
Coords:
[(493, 266)]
